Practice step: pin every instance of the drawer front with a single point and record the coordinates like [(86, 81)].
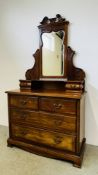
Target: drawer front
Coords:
[(58, 105), (23, 102), (44, 120), (52, 139)]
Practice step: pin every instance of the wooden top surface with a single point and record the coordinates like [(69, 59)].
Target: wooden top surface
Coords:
[(62, 94)]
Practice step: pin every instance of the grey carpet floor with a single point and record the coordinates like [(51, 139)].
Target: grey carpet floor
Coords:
[(14, 161)]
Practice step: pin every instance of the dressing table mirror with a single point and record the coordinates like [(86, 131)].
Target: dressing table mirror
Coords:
[(46, 115), (53, 54)]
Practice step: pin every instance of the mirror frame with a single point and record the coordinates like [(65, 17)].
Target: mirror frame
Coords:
[(48, 25), (73, 78)]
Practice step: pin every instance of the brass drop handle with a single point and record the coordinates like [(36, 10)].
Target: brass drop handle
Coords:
[(58, 122), (23, 102), (23, 132), (57, 106), (58, 139), (23, 116)]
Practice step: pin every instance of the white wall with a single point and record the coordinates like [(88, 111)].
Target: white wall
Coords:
[(19, 39)]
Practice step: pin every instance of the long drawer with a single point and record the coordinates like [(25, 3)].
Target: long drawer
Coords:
[(44, 120), (58, 105), (23, 102), (52, 139)]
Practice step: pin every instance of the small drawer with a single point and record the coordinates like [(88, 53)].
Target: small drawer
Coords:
[(52, 139), (44, 120), (58, 105), (23, 102)]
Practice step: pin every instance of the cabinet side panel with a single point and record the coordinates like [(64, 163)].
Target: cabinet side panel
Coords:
[(80, 123), (9, 119), (82, 119)]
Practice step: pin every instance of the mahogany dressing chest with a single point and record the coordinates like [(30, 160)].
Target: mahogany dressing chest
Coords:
[(46, 115)]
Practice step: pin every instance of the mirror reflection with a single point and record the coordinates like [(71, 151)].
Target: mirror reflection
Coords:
[(53, 54)]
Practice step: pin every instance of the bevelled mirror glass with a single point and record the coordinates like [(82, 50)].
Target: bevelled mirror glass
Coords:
[(53, 54)]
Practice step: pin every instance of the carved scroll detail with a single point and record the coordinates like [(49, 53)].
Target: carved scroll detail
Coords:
[(33, 73), (52, 24), (73, 73), (47, 20)]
